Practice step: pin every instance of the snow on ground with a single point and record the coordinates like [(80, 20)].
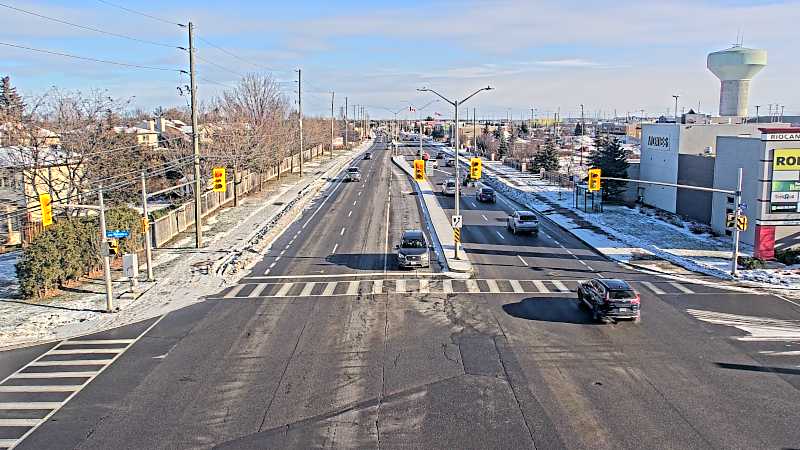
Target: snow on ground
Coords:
[(180, 280)]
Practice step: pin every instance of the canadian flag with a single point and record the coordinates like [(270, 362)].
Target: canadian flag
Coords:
[(412, 109), (437, 114)]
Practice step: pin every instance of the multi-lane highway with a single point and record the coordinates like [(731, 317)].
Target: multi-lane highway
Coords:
[(326, 344)]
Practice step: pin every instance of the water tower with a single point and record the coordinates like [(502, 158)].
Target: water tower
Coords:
[(736, 67)]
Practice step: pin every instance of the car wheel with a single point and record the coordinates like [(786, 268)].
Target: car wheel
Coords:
[(595, 315)]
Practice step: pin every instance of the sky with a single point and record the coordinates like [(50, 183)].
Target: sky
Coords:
[(623, 56)]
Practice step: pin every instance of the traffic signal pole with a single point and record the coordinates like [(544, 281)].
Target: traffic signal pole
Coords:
[(106, 256)]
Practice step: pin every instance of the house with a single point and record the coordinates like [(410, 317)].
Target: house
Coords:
[(144, 136)]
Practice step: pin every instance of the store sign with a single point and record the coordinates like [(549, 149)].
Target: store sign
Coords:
[(785, 136), (785, 186), (659, 142), (786, 159), (784, 197)]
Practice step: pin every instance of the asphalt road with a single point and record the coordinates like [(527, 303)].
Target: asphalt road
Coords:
[(324, 344)]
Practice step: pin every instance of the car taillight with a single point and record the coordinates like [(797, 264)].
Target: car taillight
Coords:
[(635, 300)]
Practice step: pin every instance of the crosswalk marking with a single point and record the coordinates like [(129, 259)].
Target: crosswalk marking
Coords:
[(43, 375), (96, 341), (27, 406), (560, 286), (652, 287), (77, 362), (284, 290), (43, 388), (681, 288), (235, 291), (19, 422), (541, 287), (421, 286), (86, 351), (307, 289)]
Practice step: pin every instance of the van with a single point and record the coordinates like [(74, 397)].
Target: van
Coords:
[(449, 187)]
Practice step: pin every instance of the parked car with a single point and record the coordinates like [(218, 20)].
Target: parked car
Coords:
[(610, 298), (449, 187), (439, 155), (367, 155), (353, 174), (451, 162), (523, 222), (434, 163), (485, 194), (412, 250)]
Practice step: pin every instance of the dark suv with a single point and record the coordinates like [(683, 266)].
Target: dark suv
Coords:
[(485, 195), (609, 298)]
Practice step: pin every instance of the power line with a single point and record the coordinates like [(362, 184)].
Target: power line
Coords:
[(85, 27), (142, 14), (219, 66), (84, 58), (233, 55), (214, 82)]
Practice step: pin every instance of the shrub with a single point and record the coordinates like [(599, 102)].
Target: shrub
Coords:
[(749, 263), (70, 248), (789, 257)]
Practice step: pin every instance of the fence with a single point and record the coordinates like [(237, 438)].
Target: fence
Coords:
[(180, 219)]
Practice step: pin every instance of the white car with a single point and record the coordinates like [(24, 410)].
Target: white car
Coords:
[(523, 222), (353, 174), (449, 187)]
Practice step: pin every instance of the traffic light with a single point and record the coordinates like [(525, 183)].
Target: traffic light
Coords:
[(419, 169), (113, 247), (475, 166), (594, 180), (219, 184), (46, 203)]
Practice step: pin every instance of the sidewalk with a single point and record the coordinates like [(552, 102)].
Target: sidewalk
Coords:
[(637, 236), (234, 239), (438, 221)]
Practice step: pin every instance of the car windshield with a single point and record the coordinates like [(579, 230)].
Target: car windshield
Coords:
[(527, 218), (487, 191), (451, 183), (353, 170), (413, 243), (618, 295)]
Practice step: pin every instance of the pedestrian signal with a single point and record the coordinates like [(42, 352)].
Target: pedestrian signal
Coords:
[(219, 184), (419, 169), (475, 168), (594, 180)]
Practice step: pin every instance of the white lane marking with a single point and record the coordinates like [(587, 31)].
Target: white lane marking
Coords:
[(447, 286), (359, 193), (273, 265), (283, 252), (329, 289), (29, 405), (235, 291), (400, 286), (523, 261), (474, 206), (341, 233), (350, 213), (258, 290), (352, 288), (424, 287), (354, 202), (325, 200), (493, 288), (758, 329), (44, 375), (278, 258), (541, 287), (377, 287), (516, 286), (472, 287), (560, 286), (80, 362), (484, 217), (681, 287), (284, 290), (307, 289), (589, 267), (97, 341), (266, 272), (501, 236), (386, 237), (85, 351), (333, 252), (652, 287), (31, 389)]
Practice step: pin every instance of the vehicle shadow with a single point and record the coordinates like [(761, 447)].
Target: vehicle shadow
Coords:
[(549, 309), (364, 261)]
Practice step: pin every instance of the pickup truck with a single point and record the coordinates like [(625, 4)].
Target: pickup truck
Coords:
[(353, 174)]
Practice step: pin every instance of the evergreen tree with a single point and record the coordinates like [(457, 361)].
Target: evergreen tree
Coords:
[(485, 128), (11, 104), (524, 128), (578, 130), (498, 133), (503, 149), (547, 157), (612, 159)]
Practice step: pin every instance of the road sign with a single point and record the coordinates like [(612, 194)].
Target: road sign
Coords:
[(117, 234), (594, 180), (457, 235), (219, 184), (741, 224), (46, 204), (457, 221)]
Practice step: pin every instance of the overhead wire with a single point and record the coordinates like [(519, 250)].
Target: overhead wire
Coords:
[(85, 58), (219, 66), (235, 56), (149, 16), (86, 27)]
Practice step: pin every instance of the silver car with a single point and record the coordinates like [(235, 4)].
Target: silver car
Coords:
[(353, 174), (523, 222)]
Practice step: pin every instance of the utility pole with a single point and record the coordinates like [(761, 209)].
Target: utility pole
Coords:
[(333, 96), (300, 113), (758, 118), (148, 251), (346, 124), (458, 183), (737, 213), (583, 131), (474, 132), (676, 107), (106, 256), (198, 213)]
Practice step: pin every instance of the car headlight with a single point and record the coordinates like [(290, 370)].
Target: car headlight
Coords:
[(401, 256), (425, 257)]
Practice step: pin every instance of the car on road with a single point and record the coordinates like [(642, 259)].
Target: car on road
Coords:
[(485, 194), (610, 298), (367, 155), (440, 155), (449, 187), (451, 162), (523, 222), (353, 174), (412, 251)]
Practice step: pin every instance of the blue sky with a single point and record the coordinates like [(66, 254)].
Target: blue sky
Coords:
[(608, 55)]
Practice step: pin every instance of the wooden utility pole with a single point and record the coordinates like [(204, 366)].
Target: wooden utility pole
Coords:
[(333, 96), (198, 213)]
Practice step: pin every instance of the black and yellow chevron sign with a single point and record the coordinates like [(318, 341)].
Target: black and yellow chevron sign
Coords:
[(457, 235)]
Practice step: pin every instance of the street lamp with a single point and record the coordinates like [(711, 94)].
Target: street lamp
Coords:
[(455, 105)]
